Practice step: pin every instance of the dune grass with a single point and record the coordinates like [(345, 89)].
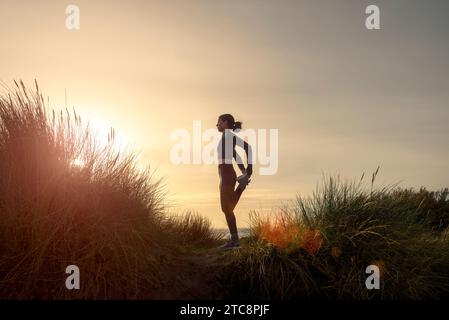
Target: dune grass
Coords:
[(66, 199), (190, 228), (321, 246)]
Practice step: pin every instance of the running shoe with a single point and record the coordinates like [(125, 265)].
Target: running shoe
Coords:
[(243, 180), (231, 244)]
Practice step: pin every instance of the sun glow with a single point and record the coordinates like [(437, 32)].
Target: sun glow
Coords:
[(105, 133), (78, 163)]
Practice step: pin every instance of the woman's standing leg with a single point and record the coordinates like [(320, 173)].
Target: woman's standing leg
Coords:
[(228, 180)]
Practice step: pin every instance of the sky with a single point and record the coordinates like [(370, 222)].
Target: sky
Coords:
[(344, 99)]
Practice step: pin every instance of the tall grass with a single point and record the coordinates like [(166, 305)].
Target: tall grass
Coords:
[(321, 246), (66, 199), (190, 228)]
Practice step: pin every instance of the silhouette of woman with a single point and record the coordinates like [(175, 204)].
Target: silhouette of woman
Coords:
[(229, 196)]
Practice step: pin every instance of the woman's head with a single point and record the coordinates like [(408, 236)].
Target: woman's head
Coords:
[(227, 121)]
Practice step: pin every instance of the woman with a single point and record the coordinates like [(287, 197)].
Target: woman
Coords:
[(229, 196)]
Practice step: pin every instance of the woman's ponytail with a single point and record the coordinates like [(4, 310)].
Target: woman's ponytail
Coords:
[(237, 126)]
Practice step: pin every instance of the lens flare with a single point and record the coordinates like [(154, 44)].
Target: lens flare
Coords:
[(291, 236)]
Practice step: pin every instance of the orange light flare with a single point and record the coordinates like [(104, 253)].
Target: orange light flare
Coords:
[(336, 252), (288, 235), (381, 265)]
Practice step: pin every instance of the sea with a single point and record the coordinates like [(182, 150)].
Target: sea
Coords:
[(243, 232)]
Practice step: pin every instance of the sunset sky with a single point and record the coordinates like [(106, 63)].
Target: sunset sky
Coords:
[(344, 99)]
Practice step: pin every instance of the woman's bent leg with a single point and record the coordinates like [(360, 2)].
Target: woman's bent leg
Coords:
[(236, 197)]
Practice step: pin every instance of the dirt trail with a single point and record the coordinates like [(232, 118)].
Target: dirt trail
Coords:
[(197, 276)]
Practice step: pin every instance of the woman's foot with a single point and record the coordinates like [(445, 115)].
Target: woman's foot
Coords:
[(243, 181), (231, 244)]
